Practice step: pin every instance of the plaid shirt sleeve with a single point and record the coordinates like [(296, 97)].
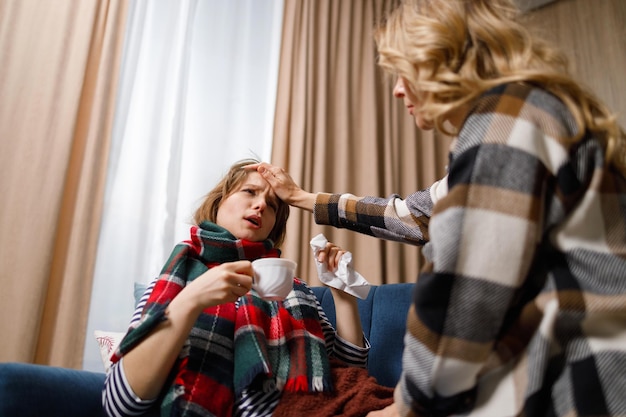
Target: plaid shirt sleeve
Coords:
[(521, 311), (393, 218)]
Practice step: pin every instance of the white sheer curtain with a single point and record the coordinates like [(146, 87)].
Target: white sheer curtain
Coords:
[(197, 93)]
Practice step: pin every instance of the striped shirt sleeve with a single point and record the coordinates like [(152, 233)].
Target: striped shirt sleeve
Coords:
[(118, 398), (341, 349)]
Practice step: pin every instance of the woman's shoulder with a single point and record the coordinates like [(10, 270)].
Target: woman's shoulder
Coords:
[(521, 100), (513, 108), (517, 97)]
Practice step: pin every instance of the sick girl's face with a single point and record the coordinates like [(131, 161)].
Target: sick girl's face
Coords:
[(249, 212)]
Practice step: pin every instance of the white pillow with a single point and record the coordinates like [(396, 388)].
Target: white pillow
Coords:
[(108, 342)]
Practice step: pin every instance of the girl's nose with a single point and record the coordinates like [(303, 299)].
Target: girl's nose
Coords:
[(398, 88), (260, 203)]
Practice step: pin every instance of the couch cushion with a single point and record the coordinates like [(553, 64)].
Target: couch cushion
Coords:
[(383, 317), (38, 390)]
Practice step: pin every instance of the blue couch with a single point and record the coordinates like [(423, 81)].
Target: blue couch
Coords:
[(44, 391)]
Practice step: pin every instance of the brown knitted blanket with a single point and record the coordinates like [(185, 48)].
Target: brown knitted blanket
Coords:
[(355, 394)]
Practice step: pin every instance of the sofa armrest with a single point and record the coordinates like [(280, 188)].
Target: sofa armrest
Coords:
[(37, 390), (383, 317)]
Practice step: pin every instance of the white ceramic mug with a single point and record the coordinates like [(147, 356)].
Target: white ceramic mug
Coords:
[(273, 277)]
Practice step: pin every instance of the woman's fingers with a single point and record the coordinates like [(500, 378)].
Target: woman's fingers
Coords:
[(222, 283), (241, 276)]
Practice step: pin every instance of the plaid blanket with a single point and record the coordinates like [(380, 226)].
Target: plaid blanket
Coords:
[(252, 343)]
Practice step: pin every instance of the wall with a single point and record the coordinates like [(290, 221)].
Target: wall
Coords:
[(532, 4), (593, 35)]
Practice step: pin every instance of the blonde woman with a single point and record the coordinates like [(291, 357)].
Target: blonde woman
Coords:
[(522, 309)]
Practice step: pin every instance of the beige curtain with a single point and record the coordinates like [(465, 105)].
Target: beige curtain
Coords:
[(58, 80), (339, 129)]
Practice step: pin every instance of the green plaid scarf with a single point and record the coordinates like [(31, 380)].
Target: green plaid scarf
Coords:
[(261, 344)]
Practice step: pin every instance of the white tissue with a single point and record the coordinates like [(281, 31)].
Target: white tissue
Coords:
[(345, 278)]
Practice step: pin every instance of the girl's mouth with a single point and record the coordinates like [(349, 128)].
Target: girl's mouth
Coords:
[(254, 220)]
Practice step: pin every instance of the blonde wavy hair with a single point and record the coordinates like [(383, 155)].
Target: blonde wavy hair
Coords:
[(450, 51)]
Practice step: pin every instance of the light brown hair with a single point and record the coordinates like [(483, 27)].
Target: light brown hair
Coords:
[(235, 176)]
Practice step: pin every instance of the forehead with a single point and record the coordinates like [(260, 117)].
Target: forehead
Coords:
[(254, 179)]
